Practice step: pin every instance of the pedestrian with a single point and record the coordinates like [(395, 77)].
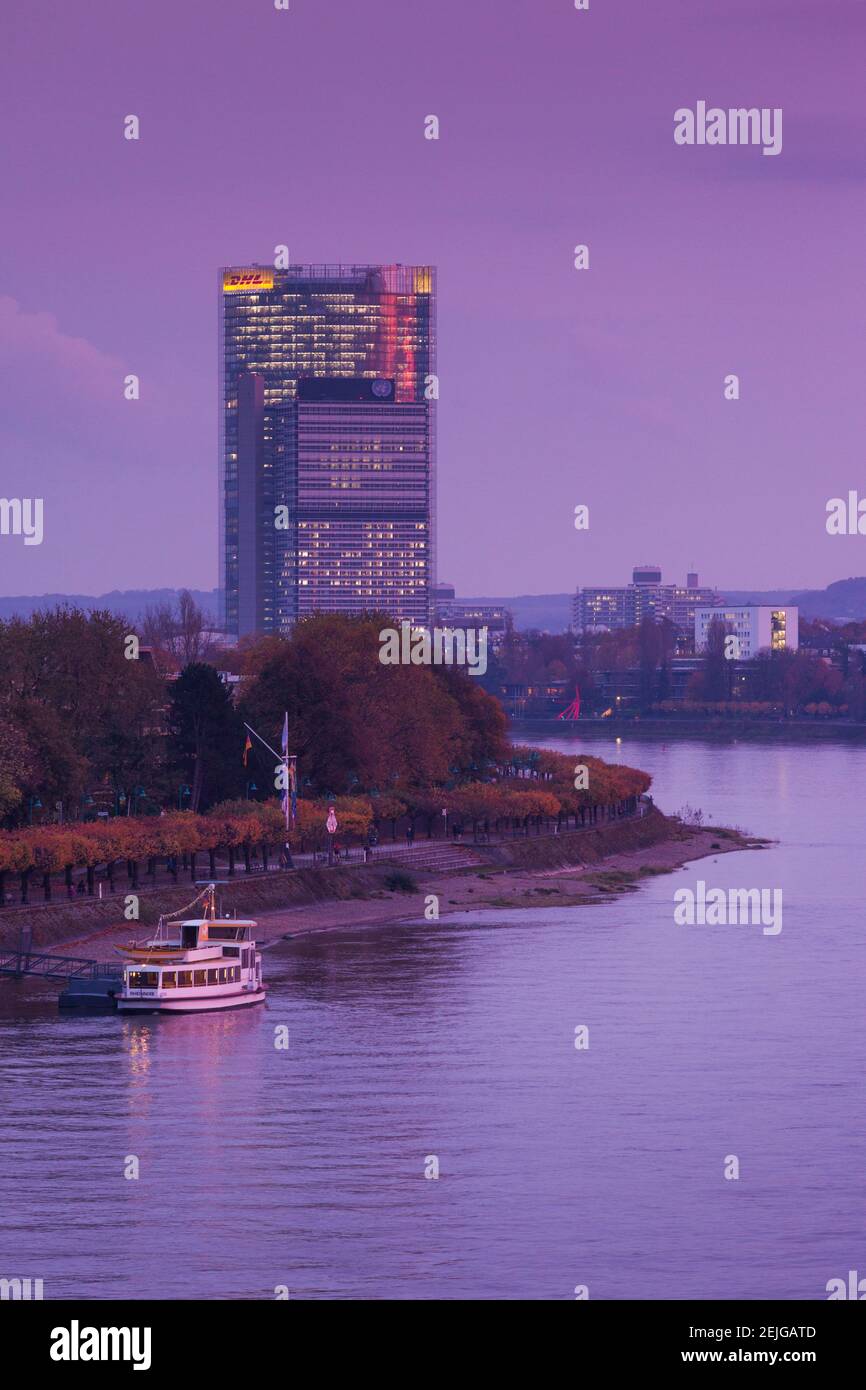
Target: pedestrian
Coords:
[(410, 834)]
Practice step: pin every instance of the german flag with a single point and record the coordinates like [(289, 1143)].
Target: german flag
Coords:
[(247, 746)]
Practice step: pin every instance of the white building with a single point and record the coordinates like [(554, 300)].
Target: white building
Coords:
[(756, 627)]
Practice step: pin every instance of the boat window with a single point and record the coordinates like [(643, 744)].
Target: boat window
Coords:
[(184, 979), (143, 979), (169, 979), (200, 977), (213, 977)]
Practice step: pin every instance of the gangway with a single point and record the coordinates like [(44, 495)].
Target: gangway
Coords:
[(89, 983), (55, 967)]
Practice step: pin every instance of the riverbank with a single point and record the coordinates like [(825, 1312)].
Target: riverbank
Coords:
[(522, 886), (721, 729), (575, 867)]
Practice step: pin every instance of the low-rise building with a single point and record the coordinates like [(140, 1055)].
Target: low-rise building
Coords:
[(757, 627)]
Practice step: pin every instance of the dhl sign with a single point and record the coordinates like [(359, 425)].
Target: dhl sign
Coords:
[(235, 280)]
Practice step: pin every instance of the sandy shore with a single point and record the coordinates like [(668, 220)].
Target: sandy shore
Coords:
[(512, 888), (487, 886)]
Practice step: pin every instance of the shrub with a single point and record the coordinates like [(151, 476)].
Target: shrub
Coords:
[(400, 882)]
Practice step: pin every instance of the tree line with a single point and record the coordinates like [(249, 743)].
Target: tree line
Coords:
[(530, 788), (104, 740)]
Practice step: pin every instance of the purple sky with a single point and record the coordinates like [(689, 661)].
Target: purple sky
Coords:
[(558, 387)]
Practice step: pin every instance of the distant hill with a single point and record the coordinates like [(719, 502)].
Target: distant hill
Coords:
[(125, 603), (547, 612), (843, 601), (738, 596)]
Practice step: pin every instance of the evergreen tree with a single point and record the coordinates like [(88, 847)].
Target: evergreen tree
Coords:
[(207, 738)]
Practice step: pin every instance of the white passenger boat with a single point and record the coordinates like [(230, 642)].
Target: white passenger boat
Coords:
[(193, 965)]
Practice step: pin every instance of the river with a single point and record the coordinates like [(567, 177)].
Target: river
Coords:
[(302, 1168)]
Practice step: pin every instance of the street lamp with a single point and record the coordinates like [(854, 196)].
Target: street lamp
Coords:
[(183, 794), (35, 804), (251, 787)]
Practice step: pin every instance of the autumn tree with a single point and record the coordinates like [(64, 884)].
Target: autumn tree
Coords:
[(16, 766), (356, 723), (87, 711)]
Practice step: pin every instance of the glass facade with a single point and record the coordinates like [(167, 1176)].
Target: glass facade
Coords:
[(355, 476)]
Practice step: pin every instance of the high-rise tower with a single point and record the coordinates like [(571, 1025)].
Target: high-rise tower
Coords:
[(327, 439)]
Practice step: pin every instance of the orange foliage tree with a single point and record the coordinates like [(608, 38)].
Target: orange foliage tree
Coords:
[(548, 792)]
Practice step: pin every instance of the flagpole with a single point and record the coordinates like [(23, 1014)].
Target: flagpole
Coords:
[(290, 769), (289, 789), (286, 794)]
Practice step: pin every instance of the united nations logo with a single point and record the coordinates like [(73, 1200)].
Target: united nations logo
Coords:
[(382, 388)]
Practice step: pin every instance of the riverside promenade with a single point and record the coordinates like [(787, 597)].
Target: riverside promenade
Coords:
[(453, 849)]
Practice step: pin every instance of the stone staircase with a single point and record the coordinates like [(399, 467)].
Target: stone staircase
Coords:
[(429, 857)]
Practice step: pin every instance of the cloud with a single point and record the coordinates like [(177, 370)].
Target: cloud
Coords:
[(39, 362)]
